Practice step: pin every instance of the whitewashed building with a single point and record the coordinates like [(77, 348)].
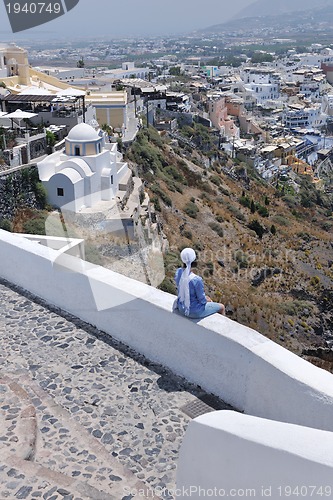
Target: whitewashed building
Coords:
[(298, 116), (88, 171), (262, 83)]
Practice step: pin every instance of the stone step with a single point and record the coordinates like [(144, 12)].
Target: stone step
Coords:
[(62, 449), (18, 421), (29, 480)]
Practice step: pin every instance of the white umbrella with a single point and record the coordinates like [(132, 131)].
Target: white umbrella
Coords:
[(20, 115), (71, 92)]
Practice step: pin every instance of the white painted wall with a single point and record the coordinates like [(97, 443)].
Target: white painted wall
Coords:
[(245, 456), (234, 362), (71, 246)]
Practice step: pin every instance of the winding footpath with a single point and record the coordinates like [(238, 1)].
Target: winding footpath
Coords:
[(81, 415)]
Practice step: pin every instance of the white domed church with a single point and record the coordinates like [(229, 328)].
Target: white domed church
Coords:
[(88, 171)]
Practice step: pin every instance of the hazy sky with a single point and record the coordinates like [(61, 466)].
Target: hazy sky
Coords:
[(129, 17)]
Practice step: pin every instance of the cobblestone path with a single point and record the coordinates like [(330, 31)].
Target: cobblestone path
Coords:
[(81, 415)]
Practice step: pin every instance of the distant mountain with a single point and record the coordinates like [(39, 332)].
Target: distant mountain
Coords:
[(268, 8), (316, 16)]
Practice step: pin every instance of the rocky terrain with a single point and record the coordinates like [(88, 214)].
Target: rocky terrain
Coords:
[(20, 189), (265, 251)]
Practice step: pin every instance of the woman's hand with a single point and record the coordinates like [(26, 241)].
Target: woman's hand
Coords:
[(208, 299)]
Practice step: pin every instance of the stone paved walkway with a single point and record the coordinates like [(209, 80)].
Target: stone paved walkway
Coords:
[(81, 415)]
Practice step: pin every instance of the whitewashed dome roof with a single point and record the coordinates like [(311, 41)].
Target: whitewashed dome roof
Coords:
[(83, 133)]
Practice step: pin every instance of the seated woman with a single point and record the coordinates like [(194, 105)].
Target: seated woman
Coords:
[(192, 301)]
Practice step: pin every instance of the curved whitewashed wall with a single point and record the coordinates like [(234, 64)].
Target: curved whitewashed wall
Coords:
[(226, 454), (236, 363)]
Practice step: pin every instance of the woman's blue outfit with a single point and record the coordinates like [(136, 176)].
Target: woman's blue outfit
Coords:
[(199, 307)]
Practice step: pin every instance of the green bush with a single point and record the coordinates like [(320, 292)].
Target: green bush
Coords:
[(305, 236), (191, 209), (142, 196), (198, 246), (146, 153), (236, 212), (281, 221), (173, 172), (263, 211), (178, 187), (215, 179), (241, 259), (327, 226), (169, 286), (41, 195), (315, 280), (35, 225), (217, 228), (257, 228), (156, 189), (297, 215), (224, 191), (290, 200), (309, 195), (170, 185), (306, 200), (6, 225), (156, 202), (209, 269), (288, 307), (171, 262), (188, 235), (153, 136), (50, 138), (294, 307), (205, 187), (260, 57), (245, 201)]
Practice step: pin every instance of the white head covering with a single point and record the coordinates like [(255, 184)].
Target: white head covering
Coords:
[(188, 256)]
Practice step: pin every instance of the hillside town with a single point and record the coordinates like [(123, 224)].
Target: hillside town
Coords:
[(275, 116)]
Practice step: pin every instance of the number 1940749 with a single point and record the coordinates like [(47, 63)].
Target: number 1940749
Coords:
[(304, 491), (34, 8)]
